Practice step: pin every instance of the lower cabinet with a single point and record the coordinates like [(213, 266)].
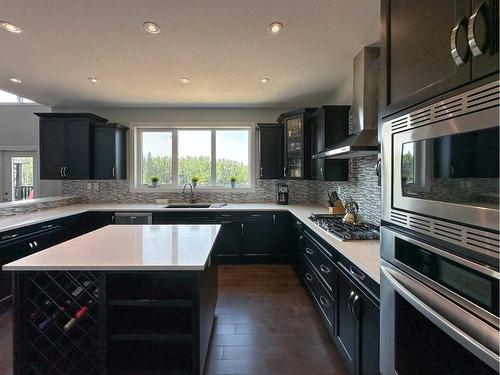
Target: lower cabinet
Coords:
[(357, 327), (253, 237), (345, 298)]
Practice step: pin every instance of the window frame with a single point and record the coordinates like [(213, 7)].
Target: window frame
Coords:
[(136, 155), (20, 100)]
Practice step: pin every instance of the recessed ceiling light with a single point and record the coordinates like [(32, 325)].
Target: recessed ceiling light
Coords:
[(151, 27), (10, 27), (184, 80), (264, 80), (275, 27), (93, 79), (14, 80)]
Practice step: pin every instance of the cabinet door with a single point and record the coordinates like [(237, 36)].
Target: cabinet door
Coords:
[(483, 25), (345, 332), (257, 236), (370, 335), (77, 148), (52, 148), (104, 153), (294, 147), (271, 151), (282, 228), (417, 62), (228, 243)]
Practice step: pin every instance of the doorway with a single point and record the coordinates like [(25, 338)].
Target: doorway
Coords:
[(20, 176)]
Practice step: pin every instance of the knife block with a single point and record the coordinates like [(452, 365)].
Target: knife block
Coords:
[(337, 209)]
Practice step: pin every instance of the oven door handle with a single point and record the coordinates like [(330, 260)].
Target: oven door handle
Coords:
[(478, 337)]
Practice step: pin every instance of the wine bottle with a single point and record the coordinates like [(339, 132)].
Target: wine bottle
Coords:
[(78, 315), (45, 306), (46, 323)]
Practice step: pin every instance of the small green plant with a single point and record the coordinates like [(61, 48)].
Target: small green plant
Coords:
[(233, 179), (155, 179), (195, 179)]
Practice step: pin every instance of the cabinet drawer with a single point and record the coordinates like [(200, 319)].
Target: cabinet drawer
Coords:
[(321, 296), (320, 260)]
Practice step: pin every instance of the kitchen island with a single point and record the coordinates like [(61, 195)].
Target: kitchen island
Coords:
[(134, 299)]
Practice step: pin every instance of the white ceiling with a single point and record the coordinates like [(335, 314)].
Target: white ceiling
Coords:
[(223, 46)]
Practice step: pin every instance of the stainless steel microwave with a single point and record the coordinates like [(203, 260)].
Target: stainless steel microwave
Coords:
[(440, 170)]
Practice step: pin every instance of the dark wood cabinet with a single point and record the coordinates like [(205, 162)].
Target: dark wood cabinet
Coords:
[(426, 52), (109, 151), (329, 126), (257, 234), (253, 236), (357, 327), (297, 143), (270, 150), (77, 146)]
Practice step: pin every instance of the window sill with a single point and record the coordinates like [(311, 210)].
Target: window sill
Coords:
[(196, 190)]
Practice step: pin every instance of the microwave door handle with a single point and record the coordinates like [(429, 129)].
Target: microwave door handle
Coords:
[(479, 338)]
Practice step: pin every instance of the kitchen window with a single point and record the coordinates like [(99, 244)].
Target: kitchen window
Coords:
[(210, 155)]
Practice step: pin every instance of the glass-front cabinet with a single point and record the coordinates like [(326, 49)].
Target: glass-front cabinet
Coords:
[(297, 143)]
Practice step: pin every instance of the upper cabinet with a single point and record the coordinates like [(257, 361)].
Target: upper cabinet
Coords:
[(297, 157), (109, 151), (432, 47), (73, 147), (270, 150), (329, 126)]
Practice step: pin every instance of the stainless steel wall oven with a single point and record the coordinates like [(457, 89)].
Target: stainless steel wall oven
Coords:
[(441, 167), (439, 312)]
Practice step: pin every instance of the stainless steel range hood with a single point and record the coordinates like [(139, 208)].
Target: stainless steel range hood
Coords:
[(363, 140)]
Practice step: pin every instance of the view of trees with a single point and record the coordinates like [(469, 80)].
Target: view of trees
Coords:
[(191, 166), (408, 168)]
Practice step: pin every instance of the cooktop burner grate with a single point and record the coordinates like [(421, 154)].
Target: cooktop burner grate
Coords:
[(335, 225)]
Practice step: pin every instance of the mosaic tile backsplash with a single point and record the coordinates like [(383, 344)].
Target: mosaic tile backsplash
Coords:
[(25, 207), (362, 187)]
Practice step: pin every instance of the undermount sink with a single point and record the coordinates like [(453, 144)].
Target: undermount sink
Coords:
[(195, 205)]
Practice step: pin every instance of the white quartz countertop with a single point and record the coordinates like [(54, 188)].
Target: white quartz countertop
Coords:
[(127, 247), (364, 254)]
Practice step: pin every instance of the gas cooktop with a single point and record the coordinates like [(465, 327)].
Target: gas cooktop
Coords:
[(346, 232)]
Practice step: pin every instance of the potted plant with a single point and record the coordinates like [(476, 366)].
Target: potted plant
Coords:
[(194, 180), (154, 181), (233, 179)]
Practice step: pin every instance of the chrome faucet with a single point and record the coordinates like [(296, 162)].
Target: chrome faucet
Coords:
[(191, 195)]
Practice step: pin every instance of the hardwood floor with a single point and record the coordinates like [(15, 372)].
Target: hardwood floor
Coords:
[(266, 325)]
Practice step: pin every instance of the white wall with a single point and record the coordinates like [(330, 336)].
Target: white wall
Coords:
[(127, 115), (342, 95), (19, 132)]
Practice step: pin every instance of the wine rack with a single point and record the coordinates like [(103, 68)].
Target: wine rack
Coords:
[(62, 323)]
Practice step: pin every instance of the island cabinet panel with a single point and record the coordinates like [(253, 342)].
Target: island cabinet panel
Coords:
[(120, 322)]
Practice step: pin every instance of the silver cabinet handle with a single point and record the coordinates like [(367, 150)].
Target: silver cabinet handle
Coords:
[(114, 172), (284, 172), (35, 243), (458, 59), (64, 171), (324, 301), (349, 301), (354, 304), (358, 275), (47, 226), (475, 48), (322, 171), (61, 172), (324, 268), (309, 277), (256, 215), (274, 219), (242, 229), (309, 251), (32, 247), (261, 169)]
